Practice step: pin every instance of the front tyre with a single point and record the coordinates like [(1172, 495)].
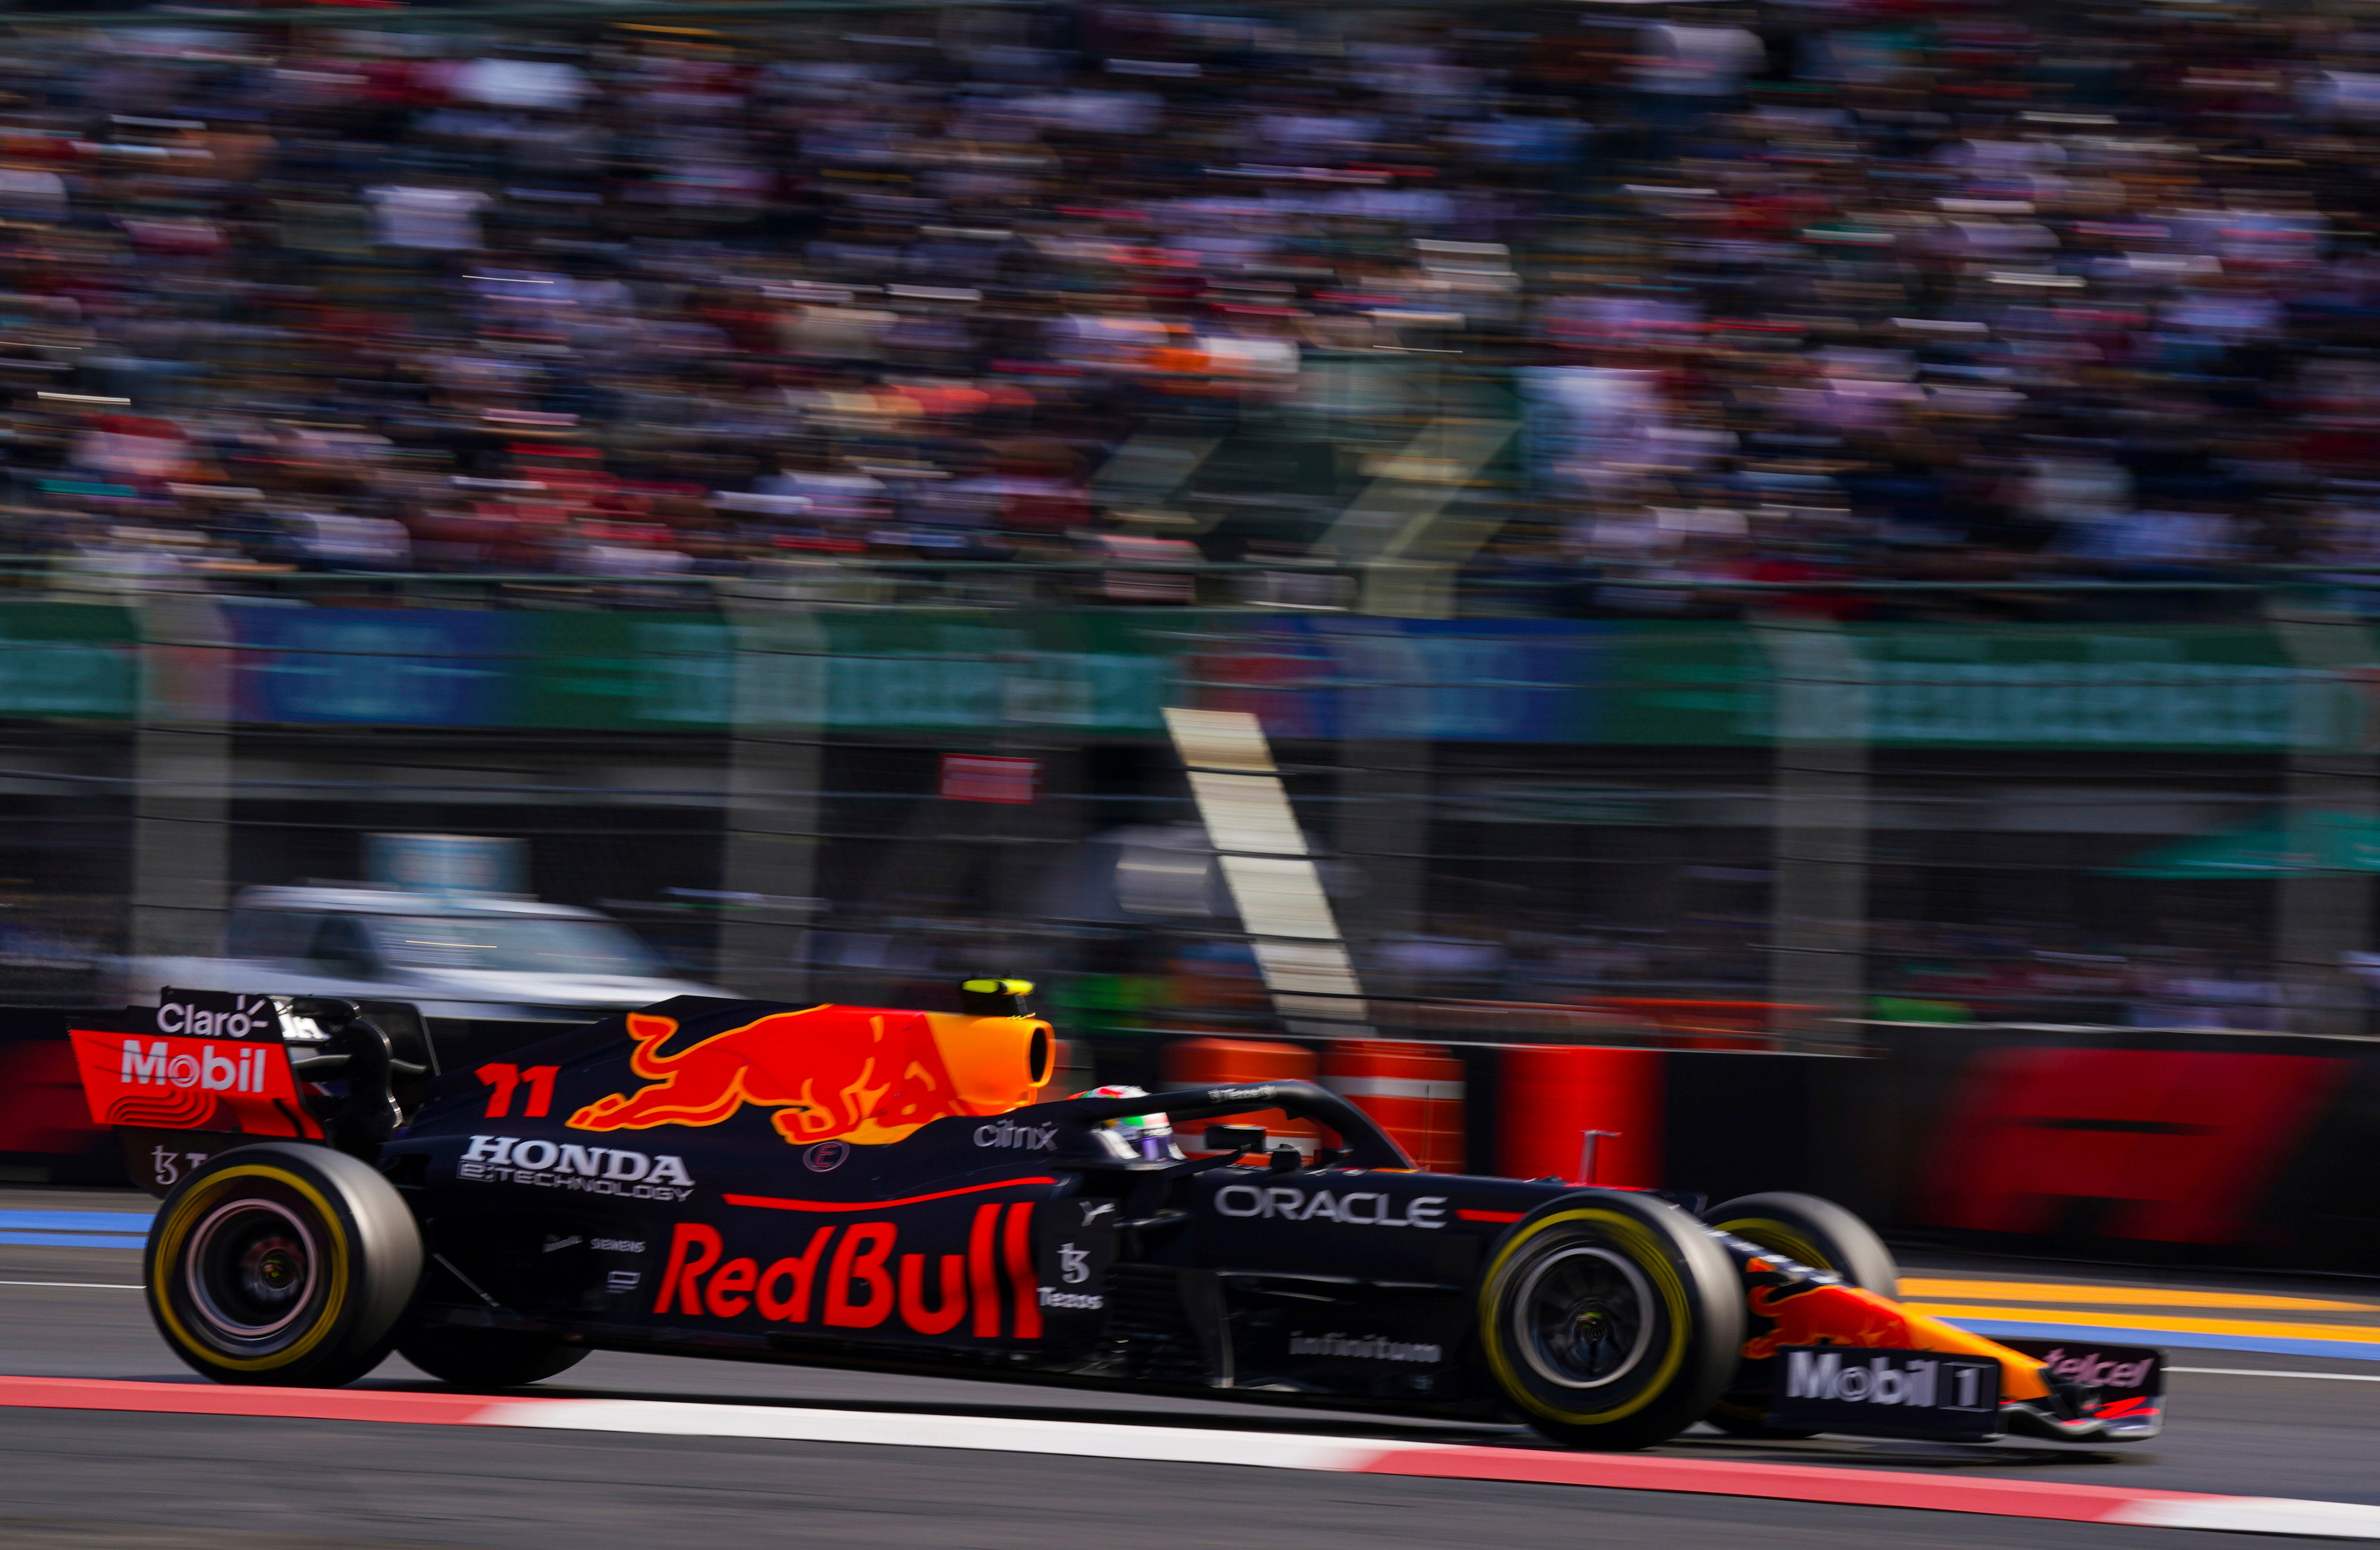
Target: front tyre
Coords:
[(1610, 1320), (486, 1358), (1818, 1232), (282, 1263), (1814, 1233)]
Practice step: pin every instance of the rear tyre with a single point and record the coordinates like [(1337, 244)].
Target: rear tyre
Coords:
[(1610, 1320), (1817, 1233), (282, 1263), (486, 1358)]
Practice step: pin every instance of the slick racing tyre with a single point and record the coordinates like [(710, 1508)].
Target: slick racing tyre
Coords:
[(282, 1263), (1610, 1320), (485, 1358), (1819, 1234)]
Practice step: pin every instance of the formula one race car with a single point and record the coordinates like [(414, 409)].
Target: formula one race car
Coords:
[(861, 1187)]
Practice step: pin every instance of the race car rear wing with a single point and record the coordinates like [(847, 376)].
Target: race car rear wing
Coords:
[(204, 1070)]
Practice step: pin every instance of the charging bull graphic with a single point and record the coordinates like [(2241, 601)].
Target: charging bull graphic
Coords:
[(1817, 1313), (859, 1074)]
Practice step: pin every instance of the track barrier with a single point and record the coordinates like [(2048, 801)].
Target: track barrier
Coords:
[(1415, 1091), (1231, 1062), (2196, 1147), (1554, 1096)]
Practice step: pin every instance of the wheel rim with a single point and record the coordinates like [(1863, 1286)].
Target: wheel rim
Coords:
[(1584, 1317), (253, 1268)]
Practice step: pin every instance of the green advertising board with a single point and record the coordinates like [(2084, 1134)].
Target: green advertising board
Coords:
[(2082, 687), (916, 671), (1108, 673), (74, 662)]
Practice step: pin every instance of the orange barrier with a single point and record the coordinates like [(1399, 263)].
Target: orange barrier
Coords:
[(1414, 1090), (1230, 1062), (1552, 1093)]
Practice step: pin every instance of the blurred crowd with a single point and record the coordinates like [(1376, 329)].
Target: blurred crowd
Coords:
[(1873, 290), (1701, 974)]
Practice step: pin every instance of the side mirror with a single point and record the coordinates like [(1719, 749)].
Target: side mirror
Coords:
[(1235, 1138)]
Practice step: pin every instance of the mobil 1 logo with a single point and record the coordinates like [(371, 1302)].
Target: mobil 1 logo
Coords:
[(1872, 1392)]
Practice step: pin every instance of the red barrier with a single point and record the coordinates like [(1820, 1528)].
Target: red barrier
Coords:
[(2176, 1146), (1414, 1090), (1552, 1093), (41, 1106), (1231, 1062)]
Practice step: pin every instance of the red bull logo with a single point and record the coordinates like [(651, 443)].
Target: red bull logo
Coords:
[(857, 1075), (854, 1277), (1829, 1315)]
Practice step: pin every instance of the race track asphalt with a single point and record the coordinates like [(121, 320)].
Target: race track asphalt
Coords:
[(93, 1480)]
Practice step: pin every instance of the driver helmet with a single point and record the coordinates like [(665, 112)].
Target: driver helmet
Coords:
[(1148, 1136)]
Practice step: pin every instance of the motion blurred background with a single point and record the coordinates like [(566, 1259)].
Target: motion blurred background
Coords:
[(1743, 523)]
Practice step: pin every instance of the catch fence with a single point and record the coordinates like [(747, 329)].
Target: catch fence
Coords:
[(1775, 825)]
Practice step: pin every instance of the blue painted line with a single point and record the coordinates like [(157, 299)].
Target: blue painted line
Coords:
[(2350, 1349), (73, 1241), (76, 1221)]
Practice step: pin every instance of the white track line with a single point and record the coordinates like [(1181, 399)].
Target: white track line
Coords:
[(2262, 1514), (86, 1286), (2256, 1515), (989, 1434)]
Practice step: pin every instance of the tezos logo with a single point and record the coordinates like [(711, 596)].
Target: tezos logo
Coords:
[(1024, 1138), (1354, 1207), (826, 1157), (508, 1159)]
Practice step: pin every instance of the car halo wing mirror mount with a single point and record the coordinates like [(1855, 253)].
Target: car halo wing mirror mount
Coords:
[(1235, 1138)]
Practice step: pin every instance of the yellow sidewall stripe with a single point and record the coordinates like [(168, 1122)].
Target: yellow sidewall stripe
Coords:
[(1651, 1256), (167, 1271)]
